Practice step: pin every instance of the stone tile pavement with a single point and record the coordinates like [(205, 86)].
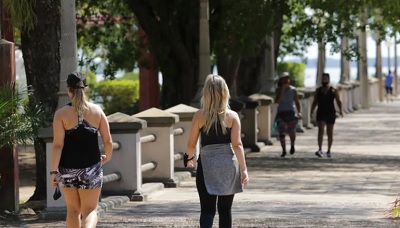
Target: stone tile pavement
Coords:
[(355, 188)]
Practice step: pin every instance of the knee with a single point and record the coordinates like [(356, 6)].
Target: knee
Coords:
[(87, 210), (73, 210)]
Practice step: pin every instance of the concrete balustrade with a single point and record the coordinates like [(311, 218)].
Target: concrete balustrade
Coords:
[(350, 94), (356, 95), (374, 90), (161, 151), (306, 102), (343, 96), (126, 130), (274, 110), (264, 120), (299, 128), (185, 114), (249, 124)]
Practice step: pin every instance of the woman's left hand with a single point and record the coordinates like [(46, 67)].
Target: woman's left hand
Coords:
[(103, 159), (244, 177), (299, 115)]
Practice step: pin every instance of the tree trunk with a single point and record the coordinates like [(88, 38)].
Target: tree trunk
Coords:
[(172, 28), (228, 68), (41, 52)]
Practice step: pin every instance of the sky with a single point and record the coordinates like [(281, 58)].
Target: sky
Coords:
[(371, 50)]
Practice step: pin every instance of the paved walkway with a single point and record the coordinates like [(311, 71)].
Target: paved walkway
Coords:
[(355, 188)]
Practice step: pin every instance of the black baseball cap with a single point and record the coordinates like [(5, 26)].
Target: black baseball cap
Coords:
[(74, 78)]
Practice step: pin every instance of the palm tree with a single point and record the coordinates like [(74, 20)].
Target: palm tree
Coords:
[(20, 121)]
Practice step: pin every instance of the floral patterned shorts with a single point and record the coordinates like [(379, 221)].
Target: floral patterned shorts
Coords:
[(85, 178)]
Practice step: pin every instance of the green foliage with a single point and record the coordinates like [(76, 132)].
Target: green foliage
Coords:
[(21, 12), (107, 30), (116, 95), (130, 76), (296, 71), (20, 122), (238, 26)]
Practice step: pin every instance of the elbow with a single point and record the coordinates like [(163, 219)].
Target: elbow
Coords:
[(57, 147), (237, 145)]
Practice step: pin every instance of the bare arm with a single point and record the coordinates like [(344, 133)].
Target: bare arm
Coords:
[(58, 144), (104, 129), (315, 101), (338, 102), (297, 103), (279, 94), (237, 145), (193, 137)]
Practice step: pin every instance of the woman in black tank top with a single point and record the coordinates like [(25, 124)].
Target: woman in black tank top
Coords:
[(76, 166), (324, 98), (221, 170)]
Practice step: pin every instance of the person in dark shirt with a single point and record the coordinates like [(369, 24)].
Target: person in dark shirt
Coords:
[(324, 97), (76, 165), (221, 170)]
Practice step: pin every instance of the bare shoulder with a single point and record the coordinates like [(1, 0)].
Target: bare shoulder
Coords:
[(96, 108), (232, 115), (61, 112)]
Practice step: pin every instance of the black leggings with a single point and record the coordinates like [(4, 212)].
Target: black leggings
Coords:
[(208, 204)]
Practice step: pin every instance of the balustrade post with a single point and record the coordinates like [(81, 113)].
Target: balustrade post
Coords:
[(264, 118), (126, 130), (248, 122), (185, 114), (306, 101), (160, 124)]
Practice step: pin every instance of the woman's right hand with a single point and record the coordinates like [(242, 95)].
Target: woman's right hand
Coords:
[(190, 163), (54, 180), (244, 176)]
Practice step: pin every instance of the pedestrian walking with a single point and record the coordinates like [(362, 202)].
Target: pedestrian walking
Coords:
[(288, 113), (76, 165), (324, 97), (221, 170), (388, 86)]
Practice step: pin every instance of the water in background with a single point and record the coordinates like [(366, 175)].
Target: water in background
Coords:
[(334, 72)]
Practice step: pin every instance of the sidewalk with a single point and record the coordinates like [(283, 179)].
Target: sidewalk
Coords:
[(355, 188)]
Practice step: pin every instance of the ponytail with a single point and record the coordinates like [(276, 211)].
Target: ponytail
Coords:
[(79, 99)]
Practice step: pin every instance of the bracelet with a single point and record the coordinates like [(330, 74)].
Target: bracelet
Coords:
[(191, 158), (53, 172)]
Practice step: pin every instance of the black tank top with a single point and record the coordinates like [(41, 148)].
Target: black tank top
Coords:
[(214, 137), (325, 101), (81, 146)]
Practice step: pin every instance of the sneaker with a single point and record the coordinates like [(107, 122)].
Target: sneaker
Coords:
[(292, 150), (318, 153), (328, 154)]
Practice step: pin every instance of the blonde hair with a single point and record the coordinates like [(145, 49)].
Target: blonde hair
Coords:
[(214, 103), (79, 99)]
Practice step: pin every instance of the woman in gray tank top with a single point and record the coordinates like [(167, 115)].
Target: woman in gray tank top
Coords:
[(286, 119)]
